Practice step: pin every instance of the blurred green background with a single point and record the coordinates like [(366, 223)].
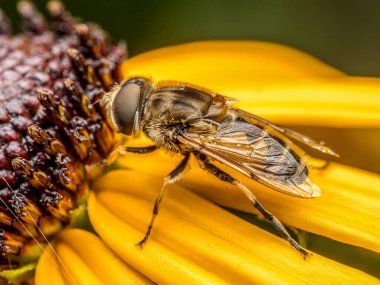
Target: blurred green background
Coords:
[(345, 34)]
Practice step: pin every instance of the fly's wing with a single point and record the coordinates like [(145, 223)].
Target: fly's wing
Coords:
[(260, 153), (320, 146)]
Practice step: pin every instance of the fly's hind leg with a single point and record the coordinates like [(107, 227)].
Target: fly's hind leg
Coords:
[(172, 177), (270, 218), (220, 174)]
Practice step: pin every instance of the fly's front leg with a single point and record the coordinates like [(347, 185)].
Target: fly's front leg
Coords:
[(220, 174), (172, 177), (137, 150), (122, 150)]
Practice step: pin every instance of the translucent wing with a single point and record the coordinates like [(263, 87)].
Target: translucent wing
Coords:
[(258, 151), (320, 146)]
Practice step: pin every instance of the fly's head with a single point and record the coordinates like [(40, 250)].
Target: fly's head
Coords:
[(125, 104)]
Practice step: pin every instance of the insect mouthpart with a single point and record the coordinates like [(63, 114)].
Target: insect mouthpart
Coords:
[(125, 104)]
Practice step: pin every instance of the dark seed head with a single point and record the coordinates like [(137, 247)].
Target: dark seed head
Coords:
[(50, 129)]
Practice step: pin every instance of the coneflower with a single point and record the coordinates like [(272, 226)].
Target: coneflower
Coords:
[(53, 134)]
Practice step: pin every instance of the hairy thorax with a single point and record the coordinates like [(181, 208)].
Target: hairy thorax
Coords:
[(169, 113)]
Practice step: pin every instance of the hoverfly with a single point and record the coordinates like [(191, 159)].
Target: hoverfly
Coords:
[(190, 120)]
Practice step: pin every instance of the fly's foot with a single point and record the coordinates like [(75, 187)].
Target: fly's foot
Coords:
[(142, 242), (305, 253)]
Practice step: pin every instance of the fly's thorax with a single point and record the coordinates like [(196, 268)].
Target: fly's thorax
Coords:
[(172, 109), (176, 104)]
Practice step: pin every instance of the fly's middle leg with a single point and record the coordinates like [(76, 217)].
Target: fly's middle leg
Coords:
[(172, 177), (220, 174)]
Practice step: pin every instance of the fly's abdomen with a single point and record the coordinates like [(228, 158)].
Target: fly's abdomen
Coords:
[(277, 156), (260, 152)]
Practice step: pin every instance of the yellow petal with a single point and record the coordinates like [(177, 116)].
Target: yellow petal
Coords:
[(80, 257), (48, 269), (347, 211), (211, 62), (196, 242), (344, 102), (278, 83), (120, 231)]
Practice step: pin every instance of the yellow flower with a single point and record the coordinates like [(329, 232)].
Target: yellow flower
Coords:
[(194, 241)]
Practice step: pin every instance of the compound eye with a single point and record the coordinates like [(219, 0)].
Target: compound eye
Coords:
[(125, 105)]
